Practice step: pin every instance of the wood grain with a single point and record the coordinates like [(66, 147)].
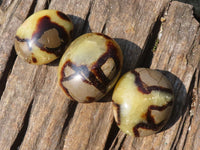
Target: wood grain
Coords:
[(35, 113)]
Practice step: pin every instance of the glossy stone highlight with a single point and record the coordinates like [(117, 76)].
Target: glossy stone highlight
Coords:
[(43, 37), (90, 67), (142, 102)]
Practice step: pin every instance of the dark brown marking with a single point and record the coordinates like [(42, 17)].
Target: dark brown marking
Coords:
[(62, 74), (20, 40), (87, 76), (24, 40), (112, 52), (63, 16), (90, 99), (142, 87), (151, 125), (105, 36), (44, 24), (161, 108), (118, 112), (100, 74), (34, 60)]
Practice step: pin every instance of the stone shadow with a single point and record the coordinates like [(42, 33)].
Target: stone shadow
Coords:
[(181, 101)]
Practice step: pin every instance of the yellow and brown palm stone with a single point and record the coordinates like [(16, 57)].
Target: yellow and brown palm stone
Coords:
[(90, 67), (142, 102), (43, 36)]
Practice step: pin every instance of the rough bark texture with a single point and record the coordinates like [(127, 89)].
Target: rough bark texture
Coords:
[(35, 113)]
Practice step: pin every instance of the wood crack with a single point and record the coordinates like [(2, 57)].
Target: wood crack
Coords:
[(86, 23), (184, 118), (71, 110), (46, 5), (151, 41), (32, 8), (7, 71), (104, 27), (22, 132), (190, 122), (112, 135), (121, 144), (175, 141)]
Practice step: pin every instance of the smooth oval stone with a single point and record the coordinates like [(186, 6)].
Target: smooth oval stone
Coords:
[(142, 102), (90, 67), (43, 37)]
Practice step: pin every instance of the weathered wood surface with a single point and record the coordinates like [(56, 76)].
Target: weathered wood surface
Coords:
[(35, 113)]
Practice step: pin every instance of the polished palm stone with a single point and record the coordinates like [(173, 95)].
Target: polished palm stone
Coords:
[(90, 67), (142, 102), (43, 37)]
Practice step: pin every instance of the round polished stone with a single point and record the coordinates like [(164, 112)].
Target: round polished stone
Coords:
[(90, 67), (43, 37), (142, 102)]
